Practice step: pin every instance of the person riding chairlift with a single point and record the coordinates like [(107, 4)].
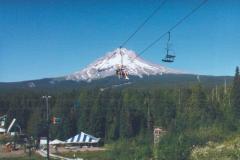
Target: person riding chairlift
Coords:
[(121, 72)]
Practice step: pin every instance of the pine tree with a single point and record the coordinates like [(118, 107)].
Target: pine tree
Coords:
[(236, 94)]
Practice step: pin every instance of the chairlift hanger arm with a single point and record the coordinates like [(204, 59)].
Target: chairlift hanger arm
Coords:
[(121, 55), (169, 36)]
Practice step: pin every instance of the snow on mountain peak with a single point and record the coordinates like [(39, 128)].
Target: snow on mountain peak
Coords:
[(106, 66)]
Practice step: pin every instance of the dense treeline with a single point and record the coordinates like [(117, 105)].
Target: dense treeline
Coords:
[(191, 116)]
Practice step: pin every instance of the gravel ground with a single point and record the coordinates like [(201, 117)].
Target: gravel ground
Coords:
[(13, 154)]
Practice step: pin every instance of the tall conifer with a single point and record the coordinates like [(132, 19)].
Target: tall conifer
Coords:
[(236, 94)]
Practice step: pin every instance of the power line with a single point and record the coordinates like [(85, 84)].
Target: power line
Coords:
[(172, 28), (144, 22)]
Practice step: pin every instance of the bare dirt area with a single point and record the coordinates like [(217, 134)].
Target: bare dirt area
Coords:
[(12, 154)]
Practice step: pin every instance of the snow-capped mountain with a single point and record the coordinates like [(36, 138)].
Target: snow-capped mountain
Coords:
[(106, 66)]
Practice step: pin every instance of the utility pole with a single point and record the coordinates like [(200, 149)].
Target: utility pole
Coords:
[(46, 98)]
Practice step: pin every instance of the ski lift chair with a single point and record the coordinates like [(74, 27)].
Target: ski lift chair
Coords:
[(121, 72), (169, 58)]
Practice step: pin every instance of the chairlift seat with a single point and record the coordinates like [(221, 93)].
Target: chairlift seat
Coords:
[(170, 56), (167, 60)]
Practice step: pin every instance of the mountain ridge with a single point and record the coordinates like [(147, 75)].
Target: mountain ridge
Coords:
[(105, 66), (101, 73), (154, 81)]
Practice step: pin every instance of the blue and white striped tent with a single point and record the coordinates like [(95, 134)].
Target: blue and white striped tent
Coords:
[(83, 138)]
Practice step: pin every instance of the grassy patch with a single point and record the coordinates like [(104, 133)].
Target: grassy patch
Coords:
[(89, 155), (123, 149), (228, 150)]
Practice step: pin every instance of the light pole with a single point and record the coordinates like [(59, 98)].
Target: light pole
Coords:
[(20, 129), (46, 98)]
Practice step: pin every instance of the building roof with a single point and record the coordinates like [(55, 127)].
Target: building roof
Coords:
[(56, 141), (2, 130), (83, 138)]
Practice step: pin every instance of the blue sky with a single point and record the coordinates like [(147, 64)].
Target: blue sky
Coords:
[(52, 38)]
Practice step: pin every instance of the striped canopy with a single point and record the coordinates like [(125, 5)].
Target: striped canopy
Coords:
[(83, 138)]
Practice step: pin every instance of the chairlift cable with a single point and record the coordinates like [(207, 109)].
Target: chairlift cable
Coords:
[(139, 27), (171, 28), (144, 22), (165, 33)]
